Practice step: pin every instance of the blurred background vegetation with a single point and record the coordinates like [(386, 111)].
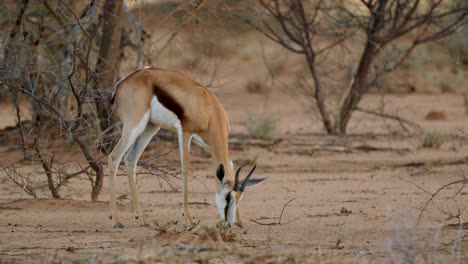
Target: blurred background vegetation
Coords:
[(60, 58)]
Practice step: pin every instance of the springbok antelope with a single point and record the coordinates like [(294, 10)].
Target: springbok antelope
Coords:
[(149, 99)]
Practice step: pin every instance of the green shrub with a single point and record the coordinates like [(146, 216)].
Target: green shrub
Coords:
[(433, 140), (261, 127)]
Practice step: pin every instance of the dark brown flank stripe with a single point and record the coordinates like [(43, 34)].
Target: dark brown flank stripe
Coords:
[(169, 102)]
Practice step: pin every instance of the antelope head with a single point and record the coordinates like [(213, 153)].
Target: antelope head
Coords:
[(227, 199)]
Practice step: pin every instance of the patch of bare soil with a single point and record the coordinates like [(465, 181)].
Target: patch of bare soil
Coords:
[(329, 199)]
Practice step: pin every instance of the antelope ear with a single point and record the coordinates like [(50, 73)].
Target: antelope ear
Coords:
[(253, 182), (220, 172)]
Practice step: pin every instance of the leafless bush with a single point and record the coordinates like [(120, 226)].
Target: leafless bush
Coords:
[(370, 37), (49, 58), (58, 87), (63, 57), (23, 181)]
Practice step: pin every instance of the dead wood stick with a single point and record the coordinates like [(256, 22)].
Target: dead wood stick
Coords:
[(456, 240), (281, 216), (463, 160), (463, 181), (400, 120)]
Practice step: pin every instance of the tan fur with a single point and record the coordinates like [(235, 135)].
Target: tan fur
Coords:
[(203, 115)]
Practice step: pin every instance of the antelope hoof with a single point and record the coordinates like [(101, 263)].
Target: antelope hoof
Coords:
[(192, 226), (145, 225), (118, 225), (239, 224), (137, 217)]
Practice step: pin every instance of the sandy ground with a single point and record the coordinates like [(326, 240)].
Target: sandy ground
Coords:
[(352, 199)]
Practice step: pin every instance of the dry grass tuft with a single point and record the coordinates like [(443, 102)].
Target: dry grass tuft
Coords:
[(220, 233), (261, 127), (163, 225), (218, 253), (432, 140)]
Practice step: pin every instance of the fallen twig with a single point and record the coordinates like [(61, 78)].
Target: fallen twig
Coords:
[(240, 143), (417, 186), (400, 120), (280, 217), (364, 147), (463, 160), (457, 240), (343, 212), (463, 181)]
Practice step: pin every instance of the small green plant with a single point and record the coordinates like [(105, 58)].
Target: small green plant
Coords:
[(433, 140), (261, 127), (223, 225), (164, 225), (341, 235), (223, 228), (220, 232)]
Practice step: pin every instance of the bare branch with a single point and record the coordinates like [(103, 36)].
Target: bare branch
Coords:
[(77, 19), (279, 218), (403, 122), (193, 15), (463, 181)]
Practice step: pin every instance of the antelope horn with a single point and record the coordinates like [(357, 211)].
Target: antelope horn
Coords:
[(236, 179), (246, 180)]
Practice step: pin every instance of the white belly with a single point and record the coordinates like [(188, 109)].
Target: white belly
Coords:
[(163, 117)]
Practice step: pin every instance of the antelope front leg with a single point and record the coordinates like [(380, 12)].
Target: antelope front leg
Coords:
[(184, 149), (129, 135)]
